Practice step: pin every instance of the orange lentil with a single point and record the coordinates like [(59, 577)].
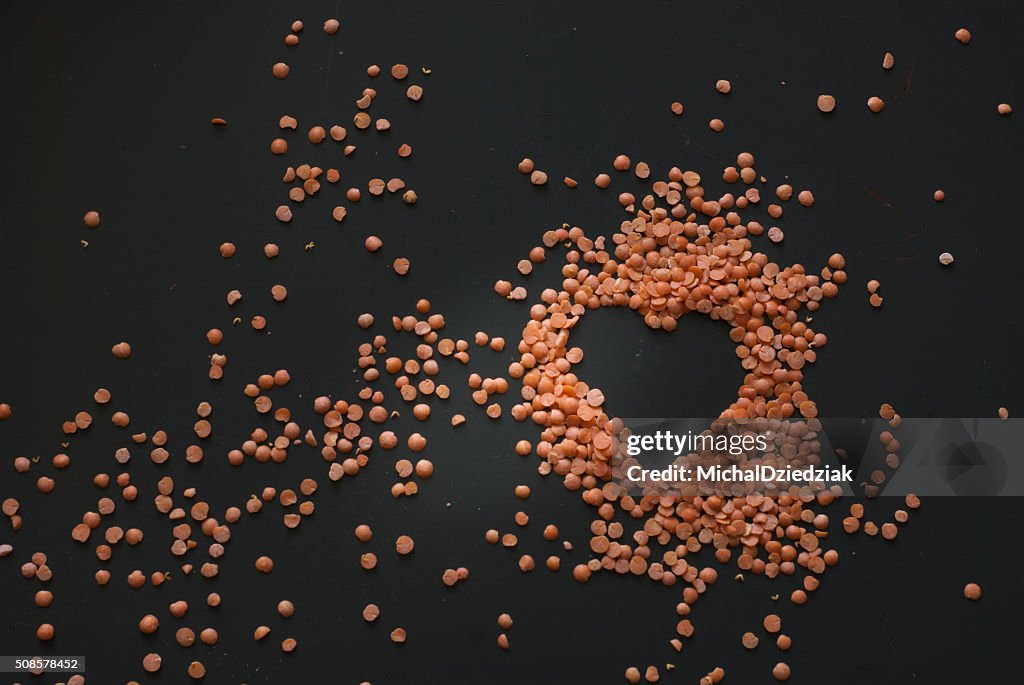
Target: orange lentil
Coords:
[(121, 350), (404, 545)]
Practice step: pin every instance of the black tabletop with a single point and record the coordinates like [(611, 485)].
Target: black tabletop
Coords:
[(109, 108)]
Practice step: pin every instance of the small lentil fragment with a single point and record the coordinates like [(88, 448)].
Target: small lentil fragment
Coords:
[(945, 259), (888, 61)]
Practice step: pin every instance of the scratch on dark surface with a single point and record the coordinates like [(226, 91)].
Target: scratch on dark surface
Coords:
[(874, 195), (734, 46), (701, 149), (907, 258), (885, 629), (906, 81)]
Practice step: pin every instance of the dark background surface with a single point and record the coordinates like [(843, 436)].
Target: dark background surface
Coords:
[(108, 108)]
